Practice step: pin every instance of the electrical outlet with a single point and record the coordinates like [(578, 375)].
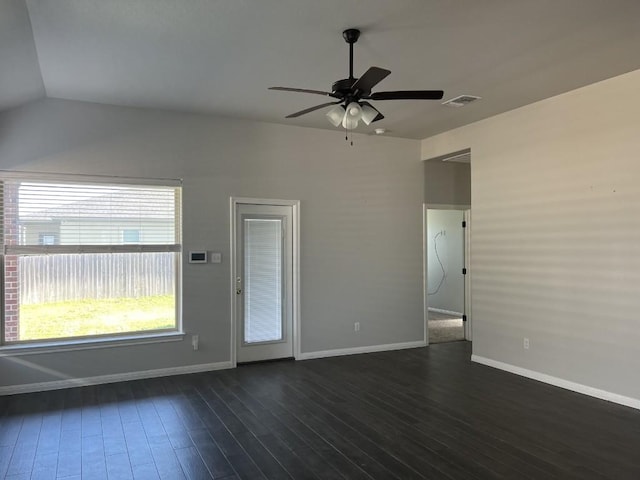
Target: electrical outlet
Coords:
[(356, 327), (195, 339), (525, 344)]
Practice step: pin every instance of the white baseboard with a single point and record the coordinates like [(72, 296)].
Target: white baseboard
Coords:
[(447, 312), (356, 350), (118, 377), (559, 382)]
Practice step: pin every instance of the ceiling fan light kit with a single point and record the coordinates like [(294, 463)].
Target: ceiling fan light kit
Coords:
[(352, 116), (336, 114), (351, 94), (369, 114)]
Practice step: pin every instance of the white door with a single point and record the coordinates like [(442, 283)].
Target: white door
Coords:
[(263, 282)]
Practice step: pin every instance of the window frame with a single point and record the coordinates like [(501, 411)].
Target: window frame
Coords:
[(101, 340)]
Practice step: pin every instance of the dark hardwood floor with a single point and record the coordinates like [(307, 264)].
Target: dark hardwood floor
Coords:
[(422, 413)]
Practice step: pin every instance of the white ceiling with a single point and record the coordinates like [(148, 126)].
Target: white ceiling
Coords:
[(219, 56)]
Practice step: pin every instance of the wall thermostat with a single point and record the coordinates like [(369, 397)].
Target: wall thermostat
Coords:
[(198, 257)]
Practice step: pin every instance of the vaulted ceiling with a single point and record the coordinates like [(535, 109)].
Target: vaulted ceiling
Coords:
[(220, 56)]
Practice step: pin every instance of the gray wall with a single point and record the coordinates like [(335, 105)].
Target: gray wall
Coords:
[(555, 236), (361, 221), (447, 183), (20, 77), (450, 295)]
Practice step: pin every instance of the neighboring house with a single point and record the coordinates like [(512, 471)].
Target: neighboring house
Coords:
[(66, 224)]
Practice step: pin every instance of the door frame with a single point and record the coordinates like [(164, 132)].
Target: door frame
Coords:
[(466, 210), (295, 267), (468, 331)]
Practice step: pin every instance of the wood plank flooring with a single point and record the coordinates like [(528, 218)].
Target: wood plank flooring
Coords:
[(412, 414)]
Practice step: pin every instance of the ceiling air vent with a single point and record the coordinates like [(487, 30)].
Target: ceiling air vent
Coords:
[(461, 101)]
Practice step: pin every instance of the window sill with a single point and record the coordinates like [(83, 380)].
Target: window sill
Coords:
[(88, 344)]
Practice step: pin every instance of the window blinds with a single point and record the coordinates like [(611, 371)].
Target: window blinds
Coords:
[(263, 280), (71, 217)]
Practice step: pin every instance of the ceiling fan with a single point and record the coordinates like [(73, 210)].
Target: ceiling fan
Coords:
[(352, 93)]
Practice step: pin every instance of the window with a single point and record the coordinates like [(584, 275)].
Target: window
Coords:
[(47, 239), (74, 265), (131, 236)]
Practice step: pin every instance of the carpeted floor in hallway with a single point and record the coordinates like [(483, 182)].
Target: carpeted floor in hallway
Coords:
[(445, 328)]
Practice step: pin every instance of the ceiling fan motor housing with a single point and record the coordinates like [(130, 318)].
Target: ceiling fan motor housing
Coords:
[(343, 87)]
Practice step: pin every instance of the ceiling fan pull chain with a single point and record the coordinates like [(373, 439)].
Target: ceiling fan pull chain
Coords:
[(348, 133)]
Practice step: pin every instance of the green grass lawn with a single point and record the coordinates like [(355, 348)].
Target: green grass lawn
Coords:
[(96, 317)]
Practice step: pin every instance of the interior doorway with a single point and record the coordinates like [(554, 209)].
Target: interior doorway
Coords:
[(446, 274)]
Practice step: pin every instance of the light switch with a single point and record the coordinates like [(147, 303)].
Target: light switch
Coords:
[(216, 257)]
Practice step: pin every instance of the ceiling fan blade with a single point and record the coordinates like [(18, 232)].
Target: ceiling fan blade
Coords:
[(370, 79), (304, 90), (312, 109), (379, 116), (408, 95)]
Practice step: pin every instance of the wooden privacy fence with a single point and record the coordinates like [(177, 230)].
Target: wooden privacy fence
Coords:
[(57, 278)]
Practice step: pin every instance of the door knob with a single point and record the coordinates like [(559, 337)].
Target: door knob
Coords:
[(238, 291)]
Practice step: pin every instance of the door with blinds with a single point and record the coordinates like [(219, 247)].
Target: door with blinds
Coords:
[(263, 282)]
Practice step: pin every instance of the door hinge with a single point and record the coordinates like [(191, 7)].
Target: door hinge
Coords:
[(464, 224), (464, 318), (464, 271)]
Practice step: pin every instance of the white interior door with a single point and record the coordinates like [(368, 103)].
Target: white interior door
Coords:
[(263, 282)]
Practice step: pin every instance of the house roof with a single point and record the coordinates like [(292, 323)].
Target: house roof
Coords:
[(121, 204), (219, 57)]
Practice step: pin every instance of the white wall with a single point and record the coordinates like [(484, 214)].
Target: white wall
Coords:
[(447, 183), (444, 230), (361, 221), (556, 234)]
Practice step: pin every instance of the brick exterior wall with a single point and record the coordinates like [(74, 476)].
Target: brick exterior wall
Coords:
[(11, 273)]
